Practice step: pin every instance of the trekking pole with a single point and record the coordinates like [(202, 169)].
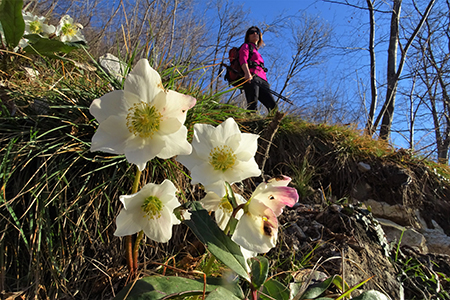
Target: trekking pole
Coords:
[(276, 94)]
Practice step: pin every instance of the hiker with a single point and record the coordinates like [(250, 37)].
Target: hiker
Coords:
[(257, 86)]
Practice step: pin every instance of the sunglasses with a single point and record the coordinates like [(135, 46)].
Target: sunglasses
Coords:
[(253, 31)]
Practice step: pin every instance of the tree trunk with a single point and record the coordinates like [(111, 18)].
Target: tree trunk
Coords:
[(373, 82), (388, 115)]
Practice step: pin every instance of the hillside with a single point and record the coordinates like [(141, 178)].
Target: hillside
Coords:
[(60, 201)]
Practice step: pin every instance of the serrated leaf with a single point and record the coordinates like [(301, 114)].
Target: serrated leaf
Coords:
[(216, 241), (260, 270), (12, 21), (274, 289), (169, 287)]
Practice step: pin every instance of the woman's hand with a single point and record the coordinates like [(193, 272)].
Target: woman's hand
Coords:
[(247, 75)]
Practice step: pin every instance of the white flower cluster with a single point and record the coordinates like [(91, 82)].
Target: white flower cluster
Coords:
[(144, 121), (65, 31)]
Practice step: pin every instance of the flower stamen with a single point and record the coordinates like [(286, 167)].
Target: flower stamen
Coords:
[(222, 158), (143, 120), (35, 27), (152, 207), (69, 30)]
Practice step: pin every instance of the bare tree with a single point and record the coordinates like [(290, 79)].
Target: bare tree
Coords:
[(373, 79), (393, 71), (433, 53), (310, 37)]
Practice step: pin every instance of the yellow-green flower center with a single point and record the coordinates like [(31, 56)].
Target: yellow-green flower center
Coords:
[(225, 205), (69, 29), (222, 158), (152, 207), (35, 27), (143, 120)]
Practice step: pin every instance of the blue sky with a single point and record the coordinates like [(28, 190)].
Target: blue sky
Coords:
[(350, 27)]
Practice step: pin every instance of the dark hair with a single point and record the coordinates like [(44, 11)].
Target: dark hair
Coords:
[(251, 29)]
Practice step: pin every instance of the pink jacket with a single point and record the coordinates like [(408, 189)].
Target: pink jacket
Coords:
[(256, 57)]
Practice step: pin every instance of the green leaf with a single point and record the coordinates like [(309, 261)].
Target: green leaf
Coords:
[(371, 295), (222, 293), (169, 287), (12, 21), (295, 288), (260, 270), (316, 290), (47, 47), (274, 289), (217, 242)]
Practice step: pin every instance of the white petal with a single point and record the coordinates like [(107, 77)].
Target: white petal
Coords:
[(249, 143), (175, 144), (242, 171), (132, 202), (159, 230), (255, 234), (203, 141), (144, 81), (169, 126), (110, 104), (178, 104), (48, 29), (142, 154), (226, 129), (127, 223), (111, 136), (192, 160), (166, 188), (211, 201)]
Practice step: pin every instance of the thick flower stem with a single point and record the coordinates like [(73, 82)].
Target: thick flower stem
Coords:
[(129, 253), (254, 293), (131, 259), (136, 249)]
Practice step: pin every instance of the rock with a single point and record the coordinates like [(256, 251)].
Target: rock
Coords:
[(411, 237), (363, 167), (396, 213), (437, 240), (113, 66), (361, 190)]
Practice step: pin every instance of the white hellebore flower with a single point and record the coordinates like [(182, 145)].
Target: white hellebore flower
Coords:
[(68, 31), (35, 25), (143, 120), (222, 207), (150, 210), (257, 229), (221, 154)]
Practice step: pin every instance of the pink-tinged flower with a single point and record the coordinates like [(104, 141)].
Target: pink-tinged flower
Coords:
[(221, 154), (257, 229), (143, 120), (222, 207), (150, 210)]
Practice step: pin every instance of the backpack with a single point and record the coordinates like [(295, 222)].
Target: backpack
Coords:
[(234, 73)]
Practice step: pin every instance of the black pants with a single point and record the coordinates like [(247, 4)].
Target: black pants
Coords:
[(258, 88)]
